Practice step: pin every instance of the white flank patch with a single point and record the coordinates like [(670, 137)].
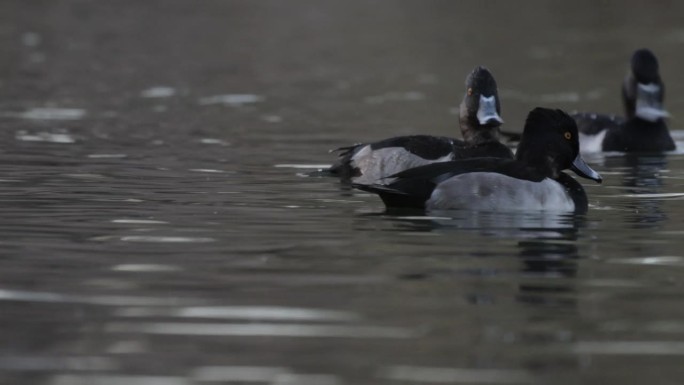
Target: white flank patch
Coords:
[(383, 162), (592, 143)]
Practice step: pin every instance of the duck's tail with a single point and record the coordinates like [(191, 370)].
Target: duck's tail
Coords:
[(343, 167)]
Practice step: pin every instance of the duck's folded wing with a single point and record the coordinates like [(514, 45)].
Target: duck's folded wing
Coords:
[(437, 172), (413, 187), (424, 146)]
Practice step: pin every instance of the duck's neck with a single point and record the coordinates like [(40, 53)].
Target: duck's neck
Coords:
[(545, 165), (474, 133)]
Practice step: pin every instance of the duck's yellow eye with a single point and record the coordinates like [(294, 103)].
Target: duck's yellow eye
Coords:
[(568, 135), (470, 91)]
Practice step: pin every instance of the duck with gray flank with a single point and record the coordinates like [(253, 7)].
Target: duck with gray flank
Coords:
[(532, 181), (480, 121), (643, 128)]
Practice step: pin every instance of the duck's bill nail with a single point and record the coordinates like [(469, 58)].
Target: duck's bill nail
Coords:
[(582, 169), (486, 112)]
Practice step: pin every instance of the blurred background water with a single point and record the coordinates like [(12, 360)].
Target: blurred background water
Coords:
[(159, 224)]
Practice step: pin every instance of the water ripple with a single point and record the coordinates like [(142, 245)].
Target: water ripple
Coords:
[(145, 268), (265, 374), (158, 92), (116, 379), (657, 260), (639, 348), (456, 375), (238, 373), (262, 330), (105, 300), (165, 239), (47, 113), (302, 166), (233, 100), (107, 156), (279, 313), (44, 137), (50, 363), (139, 221), (409, 96)]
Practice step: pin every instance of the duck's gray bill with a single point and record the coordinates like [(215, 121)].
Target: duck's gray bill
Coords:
[(486, 112), (582, 169), (648, 103)]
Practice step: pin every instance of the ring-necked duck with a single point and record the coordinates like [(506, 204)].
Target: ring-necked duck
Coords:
[(479, 120), (643, 129), (533, 181)]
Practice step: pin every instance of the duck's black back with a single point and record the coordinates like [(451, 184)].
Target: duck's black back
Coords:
[(425, 146), (493, 149)]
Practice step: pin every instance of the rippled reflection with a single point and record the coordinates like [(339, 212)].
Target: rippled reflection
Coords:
[(643, 177)]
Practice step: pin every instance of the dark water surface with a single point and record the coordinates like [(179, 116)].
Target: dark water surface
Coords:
[(159, 225)]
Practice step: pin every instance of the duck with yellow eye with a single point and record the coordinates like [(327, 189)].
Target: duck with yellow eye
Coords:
[(534, 180)]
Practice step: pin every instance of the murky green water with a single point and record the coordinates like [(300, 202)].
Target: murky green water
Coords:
[(159, 224)]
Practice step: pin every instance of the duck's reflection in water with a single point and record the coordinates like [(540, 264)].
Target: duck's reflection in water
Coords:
[(643, 184), (546, 247), (548, 266)]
